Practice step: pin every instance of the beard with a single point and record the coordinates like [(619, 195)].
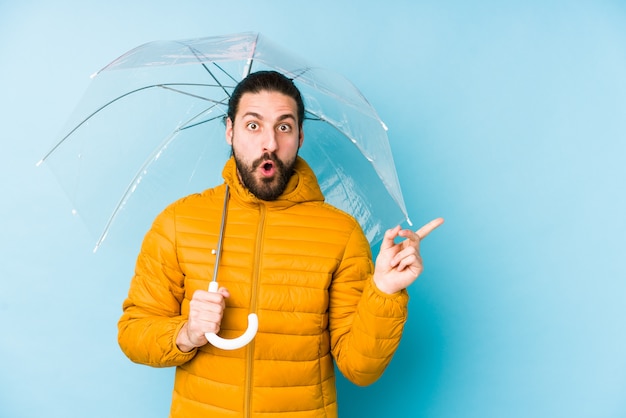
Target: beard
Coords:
[(265, 188)]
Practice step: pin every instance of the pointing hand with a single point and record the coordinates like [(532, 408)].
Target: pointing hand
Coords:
[(399, 264)]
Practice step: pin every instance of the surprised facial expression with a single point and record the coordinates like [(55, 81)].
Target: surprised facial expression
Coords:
[(265, 139)]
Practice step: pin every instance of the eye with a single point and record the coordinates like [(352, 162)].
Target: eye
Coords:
[(284, 128), (253, 126)]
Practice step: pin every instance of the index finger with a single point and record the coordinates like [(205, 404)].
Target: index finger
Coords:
[(428, 228)]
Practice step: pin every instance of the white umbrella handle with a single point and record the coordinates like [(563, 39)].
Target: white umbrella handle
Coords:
[(233, 344)]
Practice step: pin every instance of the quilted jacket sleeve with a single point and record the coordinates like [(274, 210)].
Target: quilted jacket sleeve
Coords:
[(151, 319), (365, 324)]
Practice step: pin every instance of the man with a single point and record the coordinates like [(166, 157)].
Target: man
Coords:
[(304, 267)]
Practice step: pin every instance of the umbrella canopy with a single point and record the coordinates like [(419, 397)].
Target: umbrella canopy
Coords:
[(152, 123)]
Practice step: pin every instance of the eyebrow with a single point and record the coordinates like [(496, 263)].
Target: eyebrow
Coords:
[(280, 118)]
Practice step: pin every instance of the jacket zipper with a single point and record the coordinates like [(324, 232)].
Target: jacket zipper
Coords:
[(253, 308)]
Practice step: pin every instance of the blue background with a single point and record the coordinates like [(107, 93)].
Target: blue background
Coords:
[(506, 118)]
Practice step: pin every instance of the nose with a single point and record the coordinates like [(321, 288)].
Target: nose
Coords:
[(269, 141)]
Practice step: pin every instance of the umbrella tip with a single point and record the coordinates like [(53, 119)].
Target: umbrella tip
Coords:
[(100, 240)]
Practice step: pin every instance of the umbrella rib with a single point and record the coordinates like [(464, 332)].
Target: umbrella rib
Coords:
[(226, 73), (98, 110), (300, 73), (215, 78), (202, 122), (166, 87), (198, 56)]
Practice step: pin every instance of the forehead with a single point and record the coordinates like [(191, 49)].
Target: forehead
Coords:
[(267, 103)]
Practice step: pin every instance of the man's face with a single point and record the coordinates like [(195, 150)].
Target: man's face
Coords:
[(265, 139)]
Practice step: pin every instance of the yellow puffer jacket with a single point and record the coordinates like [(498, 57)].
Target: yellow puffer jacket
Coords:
[(303, 266)]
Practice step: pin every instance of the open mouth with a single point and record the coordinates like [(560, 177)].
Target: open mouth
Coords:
[(268, 168)]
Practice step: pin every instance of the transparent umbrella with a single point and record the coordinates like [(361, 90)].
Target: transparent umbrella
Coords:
[(154, 118)]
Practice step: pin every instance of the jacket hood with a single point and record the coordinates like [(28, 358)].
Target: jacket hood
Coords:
[(302, 187)]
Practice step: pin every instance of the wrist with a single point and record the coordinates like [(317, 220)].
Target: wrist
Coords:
[(183, 342), (384, 287)]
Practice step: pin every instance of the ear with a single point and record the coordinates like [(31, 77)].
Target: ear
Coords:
[(229, 131), (301, 140)]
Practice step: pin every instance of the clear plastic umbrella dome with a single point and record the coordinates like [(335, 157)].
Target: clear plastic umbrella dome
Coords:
[(150, 129)]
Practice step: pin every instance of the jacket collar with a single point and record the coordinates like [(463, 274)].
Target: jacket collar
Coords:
[(302, 187)]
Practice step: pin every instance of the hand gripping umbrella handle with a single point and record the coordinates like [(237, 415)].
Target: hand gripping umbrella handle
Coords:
[(233, 344)]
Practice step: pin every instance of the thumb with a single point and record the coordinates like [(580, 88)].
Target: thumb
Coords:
[(224, 292), (389, 238)]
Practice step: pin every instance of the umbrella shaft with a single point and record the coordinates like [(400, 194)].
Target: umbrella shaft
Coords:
[(221, 237)]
